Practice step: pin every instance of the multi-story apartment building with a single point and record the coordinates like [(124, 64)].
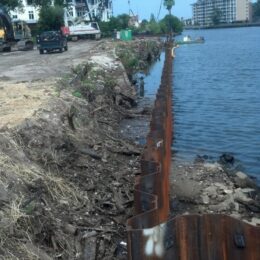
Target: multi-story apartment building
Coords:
[(229, 11), (77, 8)]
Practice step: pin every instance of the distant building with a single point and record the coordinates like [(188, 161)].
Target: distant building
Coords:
[(229, 11), (29, 13), (102, 9), (187, 22)]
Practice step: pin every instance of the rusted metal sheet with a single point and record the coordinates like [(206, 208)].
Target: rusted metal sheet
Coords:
[(151, 196), (195, 237), (151, 235)]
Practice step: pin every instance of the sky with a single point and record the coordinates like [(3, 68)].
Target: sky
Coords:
[(144, 8)]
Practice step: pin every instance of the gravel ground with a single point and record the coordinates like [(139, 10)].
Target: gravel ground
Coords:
[(20, 66)]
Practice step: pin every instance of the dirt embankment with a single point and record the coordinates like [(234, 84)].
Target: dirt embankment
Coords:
[(66, 174)]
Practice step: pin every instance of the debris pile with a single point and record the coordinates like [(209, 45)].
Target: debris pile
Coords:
[(203, 187)]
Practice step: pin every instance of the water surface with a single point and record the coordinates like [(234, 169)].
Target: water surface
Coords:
[(217, 96)]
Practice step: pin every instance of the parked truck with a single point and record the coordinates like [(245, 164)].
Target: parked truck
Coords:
[(84, 26), (50, 41), (14, 34)]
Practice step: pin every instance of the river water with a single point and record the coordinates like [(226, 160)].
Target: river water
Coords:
[(216, 96)]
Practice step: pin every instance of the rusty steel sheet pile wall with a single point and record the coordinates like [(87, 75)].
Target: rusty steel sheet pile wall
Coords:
[(151, 235), (151, 195)]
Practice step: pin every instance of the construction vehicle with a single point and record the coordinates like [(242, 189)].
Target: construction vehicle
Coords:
[(2, 34), (84, 26), (81, 28), (14, 34)]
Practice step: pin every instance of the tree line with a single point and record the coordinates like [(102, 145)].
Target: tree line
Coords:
[(152, 26), (51, 17)]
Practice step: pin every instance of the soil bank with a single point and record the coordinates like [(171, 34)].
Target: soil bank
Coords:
[(66, 183)]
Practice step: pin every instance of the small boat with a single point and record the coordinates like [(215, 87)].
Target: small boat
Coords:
[(188, 40)]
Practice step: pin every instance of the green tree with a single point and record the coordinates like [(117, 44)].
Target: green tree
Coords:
[(116, 23), (12, 4), (123, 21), (216, 16), (45, 3), (153, 27), (171, 23), (41, 3), (169, 4), (51, 18), (143, 28)]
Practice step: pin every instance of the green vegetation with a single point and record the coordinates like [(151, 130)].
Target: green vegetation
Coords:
[(77, 94), (116, 23), (12, 4), (51, 18), (152, 27), (169, 4), (171, 23), (86, 81), (128, 58)]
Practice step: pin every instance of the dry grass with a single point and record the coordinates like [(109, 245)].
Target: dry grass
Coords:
[(15, 212), (17, 174), (60, 190)]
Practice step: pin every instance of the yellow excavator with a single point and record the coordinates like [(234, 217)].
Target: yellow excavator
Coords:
[(2, 33), (14, 34)]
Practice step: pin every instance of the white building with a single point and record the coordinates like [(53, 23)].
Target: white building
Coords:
[(29, 13), (230, 10), (101, 9)]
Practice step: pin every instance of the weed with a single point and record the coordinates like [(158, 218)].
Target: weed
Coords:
[(77, 94)]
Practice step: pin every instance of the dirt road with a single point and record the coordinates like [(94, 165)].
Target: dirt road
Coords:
[(27, 79), (30, 66)]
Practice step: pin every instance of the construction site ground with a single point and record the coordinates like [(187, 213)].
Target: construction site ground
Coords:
[(67, 175), (27, 78)]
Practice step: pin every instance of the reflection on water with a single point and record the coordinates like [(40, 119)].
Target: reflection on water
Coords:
[(149, 82)]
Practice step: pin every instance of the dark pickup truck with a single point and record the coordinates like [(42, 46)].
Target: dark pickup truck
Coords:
[(52, 41)]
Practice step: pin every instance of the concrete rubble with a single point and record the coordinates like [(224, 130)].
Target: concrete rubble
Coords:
[(208, 188)]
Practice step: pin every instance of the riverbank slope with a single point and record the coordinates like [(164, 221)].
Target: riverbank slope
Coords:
[(66, 173)]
